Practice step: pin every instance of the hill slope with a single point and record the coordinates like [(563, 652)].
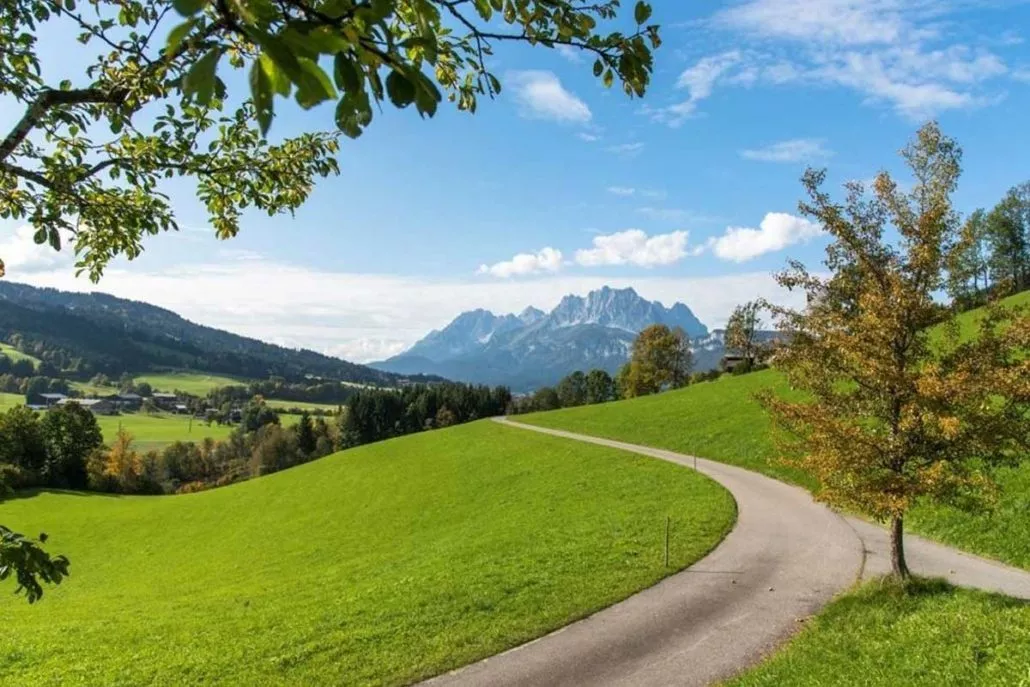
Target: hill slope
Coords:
[(95, 332), (380, 565), (721, 420)]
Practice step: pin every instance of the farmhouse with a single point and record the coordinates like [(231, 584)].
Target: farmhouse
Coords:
[(126, 400), (97, 406), (165, 401), (45, 400)]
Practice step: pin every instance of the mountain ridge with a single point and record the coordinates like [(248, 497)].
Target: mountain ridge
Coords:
[(535, 348)]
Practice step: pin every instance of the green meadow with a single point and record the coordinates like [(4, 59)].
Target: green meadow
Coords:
[(302, 405), (384, 564), (15, 355), (8, 401), (195, 383), (925, 634), (151, 431)]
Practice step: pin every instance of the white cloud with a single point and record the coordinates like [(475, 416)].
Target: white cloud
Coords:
[(21, 254), (634, 247), (902, 53), (621, 190), (776, 231), (541, 96), (1022, 74), (569, 53), (794, 150), (546, 260), (698, 80), (627, 149), (589, 138), (381, 314)]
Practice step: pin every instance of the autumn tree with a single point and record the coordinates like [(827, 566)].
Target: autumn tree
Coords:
[(742, 327), (660, 358), (900, 407), (147, 98)]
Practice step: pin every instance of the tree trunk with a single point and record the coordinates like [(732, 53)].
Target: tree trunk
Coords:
[(899, 568)]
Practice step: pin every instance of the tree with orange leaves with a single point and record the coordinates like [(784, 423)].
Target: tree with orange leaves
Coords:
[(901, 407)]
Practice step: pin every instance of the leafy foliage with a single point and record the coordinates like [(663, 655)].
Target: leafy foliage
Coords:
[(660, 358), (29, 563), (893, 419), (745, 321), (90, 156)]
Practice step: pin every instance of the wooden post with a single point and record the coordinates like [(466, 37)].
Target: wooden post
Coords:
[(189, 430), (668, 523)]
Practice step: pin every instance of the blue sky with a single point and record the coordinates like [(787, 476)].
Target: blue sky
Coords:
[(560, 186)]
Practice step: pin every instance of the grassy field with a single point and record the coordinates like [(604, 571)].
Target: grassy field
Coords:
[(14, 354), (380, 565), (721, 420), (195, 383), (278, 403), (926, 634), (8, 401), (160, 429)]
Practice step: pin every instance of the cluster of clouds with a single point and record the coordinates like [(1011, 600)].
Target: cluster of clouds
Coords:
[(382, 314), (634, 247), (899, 52)]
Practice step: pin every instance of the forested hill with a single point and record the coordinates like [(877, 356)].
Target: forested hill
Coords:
[(84, 334)]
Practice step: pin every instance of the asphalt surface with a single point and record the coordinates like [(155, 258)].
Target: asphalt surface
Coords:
[(785, 558)]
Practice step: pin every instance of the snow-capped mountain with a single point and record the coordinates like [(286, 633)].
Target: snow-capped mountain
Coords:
[(534, 348)]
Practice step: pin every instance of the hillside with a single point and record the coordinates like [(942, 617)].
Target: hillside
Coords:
[(90, 333), (380, 565), (534, 348), (721, 420)]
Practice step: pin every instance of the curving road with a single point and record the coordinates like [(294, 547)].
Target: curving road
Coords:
[(786, 557)]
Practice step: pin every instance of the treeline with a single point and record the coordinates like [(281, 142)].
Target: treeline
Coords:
[(375, 414), (280, 389), (994, 258)]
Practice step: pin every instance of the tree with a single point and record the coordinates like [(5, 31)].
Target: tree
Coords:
[(546, 398), (969, 271), (1008, 226), (21, 441), (600, 387), (660, 357), (745, 321), (896, 415), (70, 434), (306, 439), (572, 390), (93, 152), (29, 564), (122, 465)]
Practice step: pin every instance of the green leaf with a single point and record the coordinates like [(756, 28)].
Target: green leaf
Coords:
[(495, 84), (314, 85), (497, 4), (200, 80), (279, 81), (179, 33), (642, 12), (40, 236), (609, 77), (55, 243), (261, 94), (598, 68), (353, 113), (345, 73), (484, 9), (69, 5), (400, 90), (188, 7)]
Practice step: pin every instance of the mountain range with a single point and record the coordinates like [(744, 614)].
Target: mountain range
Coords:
[(86, 333), (534, 348)]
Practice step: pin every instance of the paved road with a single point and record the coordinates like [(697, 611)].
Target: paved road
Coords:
[(786, 557)]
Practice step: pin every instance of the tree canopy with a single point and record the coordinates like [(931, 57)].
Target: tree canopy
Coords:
[(90, 155), (900, 407)]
